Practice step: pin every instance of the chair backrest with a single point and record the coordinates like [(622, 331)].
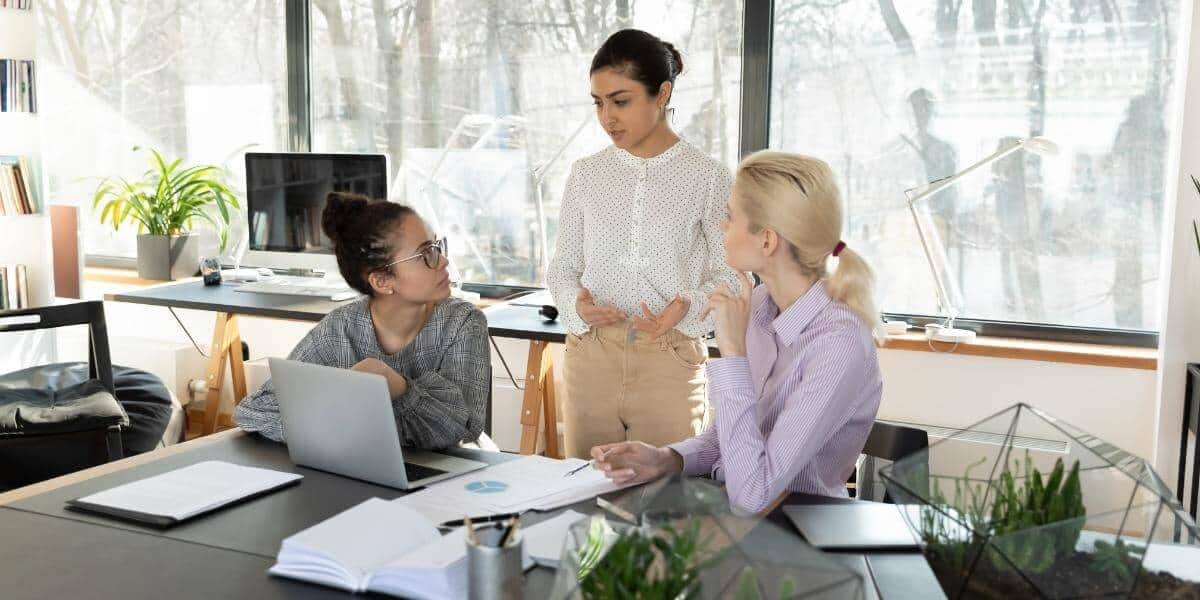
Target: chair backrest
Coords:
[(90, 313), (891, 443), (32, 458)]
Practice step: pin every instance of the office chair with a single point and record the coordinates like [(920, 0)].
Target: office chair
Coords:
[(46, 432), (886, 442)]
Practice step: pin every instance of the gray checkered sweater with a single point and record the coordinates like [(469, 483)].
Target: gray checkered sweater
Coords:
[(447, 366)]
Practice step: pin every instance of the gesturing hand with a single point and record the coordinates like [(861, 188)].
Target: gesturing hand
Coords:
[(596, 315), (658, 324), (732, 316)]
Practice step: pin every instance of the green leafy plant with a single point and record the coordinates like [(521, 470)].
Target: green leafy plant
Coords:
[(168, 199), (1118, 561), (748, 587), (1033, 504), (665, 565)]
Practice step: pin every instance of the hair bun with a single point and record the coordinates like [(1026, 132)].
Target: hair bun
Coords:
[(676, 57), (342, 210)]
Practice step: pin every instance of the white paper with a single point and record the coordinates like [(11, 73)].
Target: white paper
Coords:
[(190, 490), (513, 486), (544, 541)]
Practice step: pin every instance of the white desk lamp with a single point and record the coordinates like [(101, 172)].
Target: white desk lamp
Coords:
[(949, 296)]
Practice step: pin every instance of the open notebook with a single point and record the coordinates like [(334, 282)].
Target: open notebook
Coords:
[(382, 547), (175, 496)]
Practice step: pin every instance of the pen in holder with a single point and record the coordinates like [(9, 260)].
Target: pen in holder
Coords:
[(494, 562)]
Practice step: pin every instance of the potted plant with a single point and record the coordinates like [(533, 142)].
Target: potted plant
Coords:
[(1022, 505), (165, 204)]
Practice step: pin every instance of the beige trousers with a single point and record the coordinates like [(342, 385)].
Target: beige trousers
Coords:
[(622, 385)]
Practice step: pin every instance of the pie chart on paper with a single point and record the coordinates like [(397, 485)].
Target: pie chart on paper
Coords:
[(486, 487)]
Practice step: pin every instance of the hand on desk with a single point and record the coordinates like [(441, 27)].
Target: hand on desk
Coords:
[(658, 324), (596, 315), (635, 462), (396, 382)]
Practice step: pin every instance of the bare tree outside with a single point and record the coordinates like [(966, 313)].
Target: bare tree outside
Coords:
[(1072, 239)]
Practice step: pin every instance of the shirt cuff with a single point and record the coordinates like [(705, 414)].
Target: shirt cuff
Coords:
[(729, 379), (698, 455)]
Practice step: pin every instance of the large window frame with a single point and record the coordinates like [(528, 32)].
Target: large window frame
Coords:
[(754, 127)]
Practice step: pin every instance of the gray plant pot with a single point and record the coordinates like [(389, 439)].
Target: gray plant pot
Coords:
[(168, 257)]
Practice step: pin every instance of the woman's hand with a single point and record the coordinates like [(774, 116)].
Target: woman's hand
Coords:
[(397, 384), (635, 462), (658, 324), (596, 315), (732, 316)]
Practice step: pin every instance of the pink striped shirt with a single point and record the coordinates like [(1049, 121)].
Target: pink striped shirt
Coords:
[(794, 413)]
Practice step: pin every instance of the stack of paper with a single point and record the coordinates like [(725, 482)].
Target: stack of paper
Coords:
[(530, 482)]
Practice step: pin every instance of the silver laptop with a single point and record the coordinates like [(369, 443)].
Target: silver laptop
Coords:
[(341, 421)]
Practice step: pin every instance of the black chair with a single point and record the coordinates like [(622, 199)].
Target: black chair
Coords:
[(47, 433), (891, 443)]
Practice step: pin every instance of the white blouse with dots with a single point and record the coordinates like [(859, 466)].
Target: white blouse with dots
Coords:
[(635, 230)]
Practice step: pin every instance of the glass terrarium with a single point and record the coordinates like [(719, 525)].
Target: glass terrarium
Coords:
[(678, 538), (1022, 505)]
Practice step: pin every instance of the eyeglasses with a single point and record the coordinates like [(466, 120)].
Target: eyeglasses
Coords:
[(432, 252)]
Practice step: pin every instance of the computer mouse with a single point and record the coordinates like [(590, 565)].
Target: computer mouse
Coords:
[(549, 312)]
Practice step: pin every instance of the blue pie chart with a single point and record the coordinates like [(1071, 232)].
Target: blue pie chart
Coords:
[(487, 487)]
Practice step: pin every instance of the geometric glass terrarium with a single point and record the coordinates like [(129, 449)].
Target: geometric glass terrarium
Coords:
[(677, 538), (1023, 505)]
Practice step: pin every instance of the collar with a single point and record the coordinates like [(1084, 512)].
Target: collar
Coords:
[(789, 324), (637, 161)]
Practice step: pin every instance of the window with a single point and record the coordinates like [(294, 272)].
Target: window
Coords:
[(896, 94), (482, 106), (198, 80)]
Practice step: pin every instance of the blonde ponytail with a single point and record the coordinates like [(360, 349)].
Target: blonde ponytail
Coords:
[(797, 197)]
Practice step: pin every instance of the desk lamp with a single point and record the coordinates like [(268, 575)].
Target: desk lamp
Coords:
[(949, 297)]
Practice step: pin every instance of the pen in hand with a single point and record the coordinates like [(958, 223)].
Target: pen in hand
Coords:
[(590, 463)]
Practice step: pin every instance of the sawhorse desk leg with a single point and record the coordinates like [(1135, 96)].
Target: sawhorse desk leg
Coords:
[(538, 404), (227, 341)]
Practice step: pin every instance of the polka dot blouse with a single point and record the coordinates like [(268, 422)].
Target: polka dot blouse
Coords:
[(635, 230)]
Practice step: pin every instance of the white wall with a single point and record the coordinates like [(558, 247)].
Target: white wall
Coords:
[(1179, 342)]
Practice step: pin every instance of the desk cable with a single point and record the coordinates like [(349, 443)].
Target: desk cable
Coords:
[(497, 347), (186, 332)]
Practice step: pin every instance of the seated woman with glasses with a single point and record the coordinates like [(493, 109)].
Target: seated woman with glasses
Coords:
[(431, 347)]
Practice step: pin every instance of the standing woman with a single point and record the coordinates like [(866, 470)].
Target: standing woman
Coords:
[(639, 248)]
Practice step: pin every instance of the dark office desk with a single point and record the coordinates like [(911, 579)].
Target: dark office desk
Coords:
[(50, 552)]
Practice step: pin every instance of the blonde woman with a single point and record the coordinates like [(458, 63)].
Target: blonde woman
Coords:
[(798, 382), (639, 248)]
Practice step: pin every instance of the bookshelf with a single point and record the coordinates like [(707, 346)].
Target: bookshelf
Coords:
[(25, 239)]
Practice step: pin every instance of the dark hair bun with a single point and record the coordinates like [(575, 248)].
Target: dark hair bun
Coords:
[(676, 57), (343, 211)]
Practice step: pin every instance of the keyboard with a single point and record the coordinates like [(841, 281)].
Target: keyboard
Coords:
[(300, 286), (417, 472)]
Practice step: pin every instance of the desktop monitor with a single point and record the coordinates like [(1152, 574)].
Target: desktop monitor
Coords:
[(285, 196)]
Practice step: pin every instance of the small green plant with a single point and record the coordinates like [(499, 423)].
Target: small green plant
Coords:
[(1118, 562), (1034, 504), (665, 565), (748, 587), (168, 199)]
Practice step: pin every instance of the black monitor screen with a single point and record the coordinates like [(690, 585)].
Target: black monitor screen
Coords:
[(285, 195)]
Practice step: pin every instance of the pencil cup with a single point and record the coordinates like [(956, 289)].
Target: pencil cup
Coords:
[(494, 573)]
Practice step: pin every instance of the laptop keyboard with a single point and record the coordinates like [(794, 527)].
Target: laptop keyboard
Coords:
[(418, 472)]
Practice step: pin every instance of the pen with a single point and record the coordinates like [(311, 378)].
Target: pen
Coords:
[(590, 463), (508, 531), (487, 519)]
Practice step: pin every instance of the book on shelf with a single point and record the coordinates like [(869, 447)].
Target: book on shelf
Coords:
[(17, 86), (14, 287), (17, 193), (18, 4)]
